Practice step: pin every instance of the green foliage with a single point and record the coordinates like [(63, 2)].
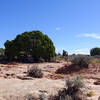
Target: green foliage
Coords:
[(34, 71), (2, 51), (81, 60), (30, 44), (95, 51)]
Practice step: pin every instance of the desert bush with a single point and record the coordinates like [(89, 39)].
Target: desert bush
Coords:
[(96, 56), (82, 75), (73, 90), (69, 83), (95, 51), (78, 83), (30, 97), (34, 71), (34, 96), (67, 97), (34, 44), (81, 60), (74, 84), (42, 96), (90, 94)]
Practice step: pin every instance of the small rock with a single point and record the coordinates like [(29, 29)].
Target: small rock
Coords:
[(5, 76), (97, 83), (99, 98)]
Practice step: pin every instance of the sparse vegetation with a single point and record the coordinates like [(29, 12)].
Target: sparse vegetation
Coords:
[(56, 76), (82, 76), (30, 97), (74, 84), (72, 91), (42, 96), (80, 60), (63, 56), (33, 96), (95, 60), (34, 71), (90, 94)]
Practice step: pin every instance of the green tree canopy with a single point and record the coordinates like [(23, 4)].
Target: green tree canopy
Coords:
[(30, 44), (95, 51)]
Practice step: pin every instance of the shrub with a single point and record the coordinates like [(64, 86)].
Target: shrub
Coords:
[(78, 83), (35, 96), (69, 83), (95, 51), (34, 71), (42, 96), (30, 97), (67, 97), (30, 44), (81, 60), (90, 94), (73, 90), (82, 76)]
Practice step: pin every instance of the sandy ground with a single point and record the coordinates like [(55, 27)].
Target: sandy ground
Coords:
[(21, 88), (11, 85)]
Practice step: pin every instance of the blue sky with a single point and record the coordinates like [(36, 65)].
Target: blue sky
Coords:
[(73, 25)]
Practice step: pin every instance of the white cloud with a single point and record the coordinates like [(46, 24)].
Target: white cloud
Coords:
[(81, 51), (92, 35), (58, 28)]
